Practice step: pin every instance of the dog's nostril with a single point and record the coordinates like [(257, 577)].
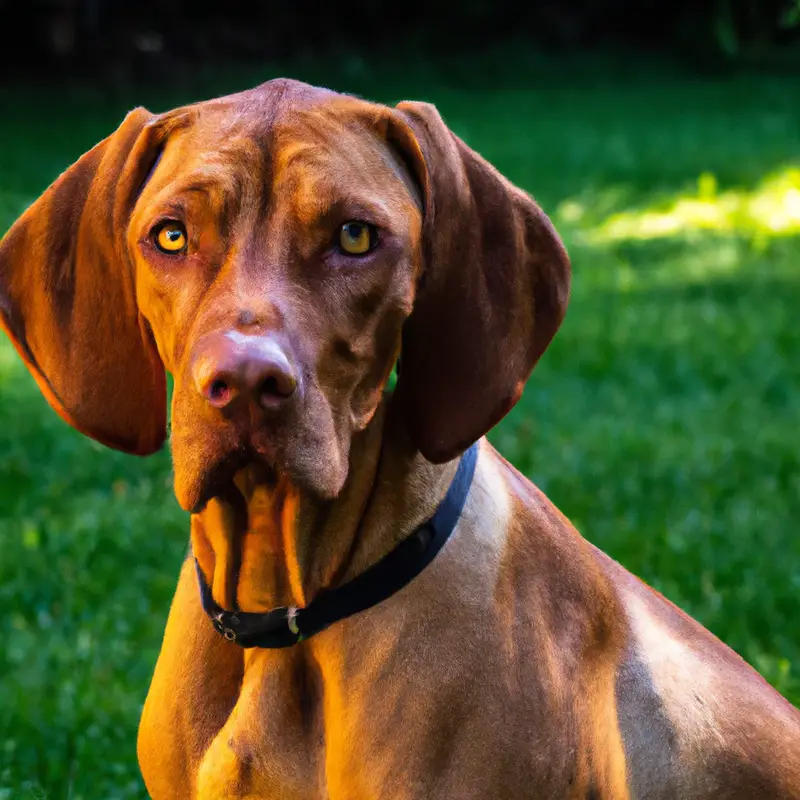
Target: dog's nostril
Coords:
[(233, 371), (271, 388), (276, 387), (218, 391)]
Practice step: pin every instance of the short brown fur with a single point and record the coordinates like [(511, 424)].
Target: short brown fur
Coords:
[(522, 663)]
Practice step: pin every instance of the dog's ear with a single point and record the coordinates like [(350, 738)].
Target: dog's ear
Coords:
[(68, 298), (493, 290)]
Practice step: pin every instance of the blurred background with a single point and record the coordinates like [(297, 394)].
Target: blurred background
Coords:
[(663, 138)]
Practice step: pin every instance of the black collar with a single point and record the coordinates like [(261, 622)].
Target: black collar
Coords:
[(283, 627)]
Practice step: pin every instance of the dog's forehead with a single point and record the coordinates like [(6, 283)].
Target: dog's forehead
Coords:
[(258, 112), (307, 138), (270, 98)]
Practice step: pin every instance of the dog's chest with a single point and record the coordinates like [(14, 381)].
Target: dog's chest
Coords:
[(294, 735), (272, 744)]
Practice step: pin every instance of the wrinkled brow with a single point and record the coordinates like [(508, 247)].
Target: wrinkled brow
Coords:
[(331, 207), (223, 189), (205, 186), (211, 179)]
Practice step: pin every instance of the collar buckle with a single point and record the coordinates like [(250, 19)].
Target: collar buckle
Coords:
[(291, 619), (280, 626), (228, 633), (219, 624)]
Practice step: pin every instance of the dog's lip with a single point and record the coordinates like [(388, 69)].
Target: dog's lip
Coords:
[(263, 446), (216, 481), (222, 477)]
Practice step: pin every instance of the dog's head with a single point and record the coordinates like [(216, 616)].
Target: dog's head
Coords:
[(276, 251)]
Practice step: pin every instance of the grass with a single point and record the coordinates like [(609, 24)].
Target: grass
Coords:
[(664, 420)]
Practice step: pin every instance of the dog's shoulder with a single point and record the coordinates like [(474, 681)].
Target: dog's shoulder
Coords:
[(547, 576), (694, 712), (695, 719)]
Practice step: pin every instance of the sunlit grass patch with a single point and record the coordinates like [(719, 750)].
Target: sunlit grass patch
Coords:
[(690, 238), (770, 209)]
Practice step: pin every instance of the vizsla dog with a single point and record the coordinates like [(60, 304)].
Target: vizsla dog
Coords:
[(376, 604)]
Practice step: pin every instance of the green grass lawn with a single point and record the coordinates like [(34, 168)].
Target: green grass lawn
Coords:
[(664, 420)]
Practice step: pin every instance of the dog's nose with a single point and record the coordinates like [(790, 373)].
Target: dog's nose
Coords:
[(231, 366)]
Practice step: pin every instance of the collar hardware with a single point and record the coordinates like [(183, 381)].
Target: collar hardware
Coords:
[(291, 619), (286, 626)]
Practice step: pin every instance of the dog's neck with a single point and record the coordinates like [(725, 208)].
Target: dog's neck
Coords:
[(272, 544)]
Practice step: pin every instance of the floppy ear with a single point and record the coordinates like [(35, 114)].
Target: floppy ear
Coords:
[(68, 302), (493, 290)]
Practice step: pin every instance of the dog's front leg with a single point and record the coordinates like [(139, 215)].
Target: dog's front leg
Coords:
[(195, 686)]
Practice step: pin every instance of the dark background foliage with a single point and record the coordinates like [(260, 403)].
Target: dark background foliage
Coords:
[(137, 38)]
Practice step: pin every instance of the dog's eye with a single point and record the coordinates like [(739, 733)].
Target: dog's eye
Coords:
[(171, 238), (357, 238)]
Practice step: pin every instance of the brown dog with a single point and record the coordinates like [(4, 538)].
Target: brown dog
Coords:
[(276, 251)]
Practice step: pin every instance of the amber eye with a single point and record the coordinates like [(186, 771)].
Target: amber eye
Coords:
[(357, 238), (171, 238)]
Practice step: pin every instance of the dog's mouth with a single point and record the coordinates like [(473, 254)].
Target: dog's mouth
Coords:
[(209, 453), (309, 448), (218, 480)]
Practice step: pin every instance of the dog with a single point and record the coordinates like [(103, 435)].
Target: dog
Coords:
[(375, 604)]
